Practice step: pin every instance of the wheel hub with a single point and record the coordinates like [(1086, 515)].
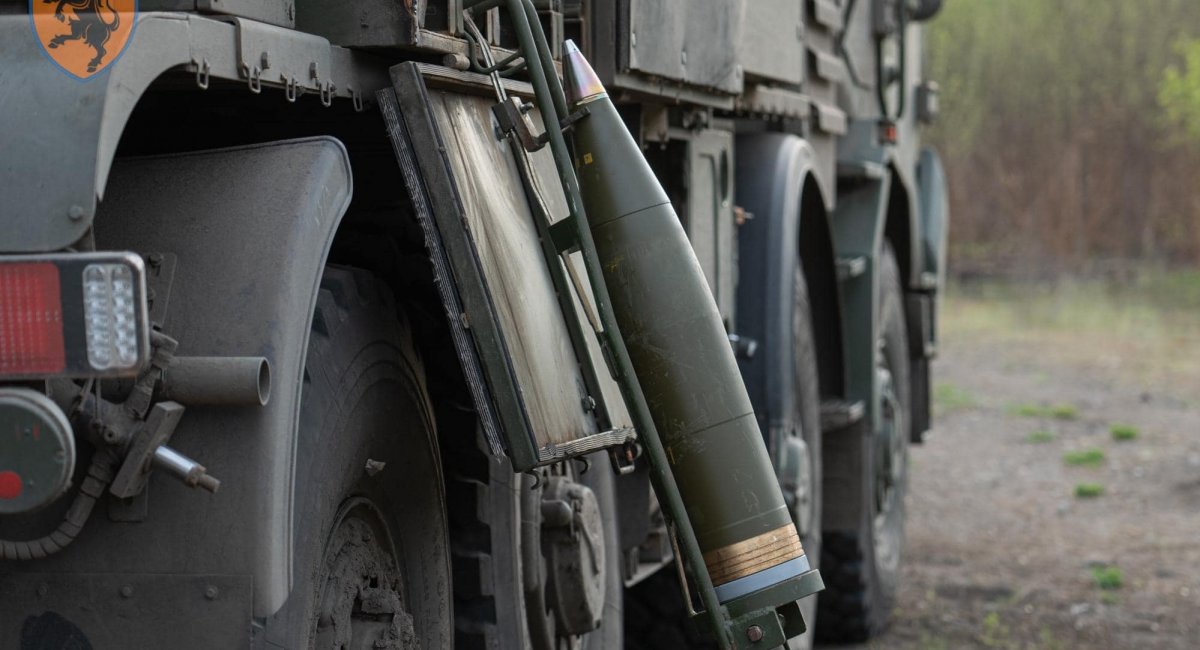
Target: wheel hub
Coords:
[(889, 471), (360, 604), (796, 478), (573, 545)]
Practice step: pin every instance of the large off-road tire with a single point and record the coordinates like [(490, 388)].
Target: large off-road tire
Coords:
[(491, 527), (806, 499), (371, 557), (655, 612), (861, 566)]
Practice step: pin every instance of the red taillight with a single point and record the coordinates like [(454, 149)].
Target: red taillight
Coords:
[(31, 320)]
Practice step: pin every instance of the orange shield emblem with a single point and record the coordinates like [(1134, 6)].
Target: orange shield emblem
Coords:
[(83, 36)]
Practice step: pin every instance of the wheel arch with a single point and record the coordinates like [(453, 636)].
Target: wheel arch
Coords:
[(778, 183), (901, 229), (71, 132), (820, 270)]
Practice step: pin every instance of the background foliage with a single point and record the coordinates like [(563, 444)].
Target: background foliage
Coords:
[(1071, 133)]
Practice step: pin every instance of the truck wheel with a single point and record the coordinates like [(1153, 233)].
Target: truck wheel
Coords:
[(371, 558), (801, 468), (501, 601), (861, 567)]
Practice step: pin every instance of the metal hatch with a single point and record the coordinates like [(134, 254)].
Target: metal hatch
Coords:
[(533, 389)]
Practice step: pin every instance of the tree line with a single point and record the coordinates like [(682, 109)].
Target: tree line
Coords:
[(1070, 130)]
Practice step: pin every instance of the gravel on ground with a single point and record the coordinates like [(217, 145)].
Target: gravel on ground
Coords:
[(1020, 535)]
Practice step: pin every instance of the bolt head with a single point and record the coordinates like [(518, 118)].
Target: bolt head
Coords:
[(754, 633), (126, 591), (211, 592)]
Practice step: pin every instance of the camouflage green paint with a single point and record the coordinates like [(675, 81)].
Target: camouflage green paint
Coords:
[(675, 339)]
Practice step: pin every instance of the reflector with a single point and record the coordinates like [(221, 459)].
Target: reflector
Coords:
[(31, 323), (73, 315)]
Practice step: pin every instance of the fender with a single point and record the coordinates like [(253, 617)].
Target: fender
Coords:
[(922, 304), (772, 172), (250, 228), (935, 214), (56, 165)]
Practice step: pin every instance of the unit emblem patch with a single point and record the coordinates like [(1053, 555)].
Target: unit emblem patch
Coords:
[(83, 36)]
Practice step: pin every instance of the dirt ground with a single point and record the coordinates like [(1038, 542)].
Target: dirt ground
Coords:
[(1001, 551)]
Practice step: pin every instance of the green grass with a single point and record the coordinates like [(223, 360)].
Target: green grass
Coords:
[(1088, 490), (1048, 641), (994, 633), (1084, 458), (1142, 329), (948, 398), (1064, 412), (1110, 598), (1123, 432), (1107, 577), (1040, 437), (1056, 411), (1026, 410)]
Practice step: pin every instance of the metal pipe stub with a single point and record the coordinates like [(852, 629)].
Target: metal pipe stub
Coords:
[(218, 381)]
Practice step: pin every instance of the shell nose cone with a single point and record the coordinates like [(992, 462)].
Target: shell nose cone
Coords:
[(581, 83)]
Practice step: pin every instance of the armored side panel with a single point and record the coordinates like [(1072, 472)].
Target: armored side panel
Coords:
[(709, 222), (273, 12), (772, 40), (131, 610), (363, 23), (691, 41)]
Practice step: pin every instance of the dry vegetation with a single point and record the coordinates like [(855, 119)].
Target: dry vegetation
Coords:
[(1071, 133)]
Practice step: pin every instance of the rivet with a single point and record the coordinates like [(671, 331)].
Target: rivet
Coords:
[(75, 213), (126, 591), (42, 590), (754, 633), (210, 592)]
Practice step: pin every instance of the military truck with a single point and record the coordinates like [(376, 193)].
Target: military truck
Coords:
[(310, 336)]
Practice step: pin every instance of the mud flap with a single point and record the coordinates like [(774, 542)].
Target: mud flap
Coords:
[(248, 229)]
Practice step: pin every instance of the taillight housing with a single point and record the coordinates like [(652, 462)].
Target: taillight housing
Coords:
[(73, 315)]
